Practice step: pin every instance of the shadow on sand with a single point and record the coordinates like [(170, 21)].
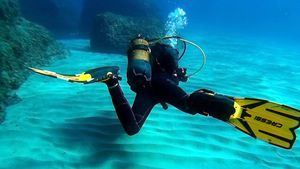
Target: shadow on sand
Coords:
[(94, 140)]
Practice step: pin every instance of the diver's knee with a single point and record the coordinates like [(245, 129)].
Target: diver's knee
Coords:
[(131, 132)]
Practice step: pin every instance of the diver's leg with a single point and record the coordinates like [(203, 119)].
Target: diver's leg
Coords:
[(201, 101), (131, 119), (168, 91), (212, 104), (142, 106), (123, 110)]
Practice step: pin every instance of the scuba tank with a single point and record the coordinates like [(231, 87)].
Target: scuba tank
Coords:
[(139, 60), (139, 64)]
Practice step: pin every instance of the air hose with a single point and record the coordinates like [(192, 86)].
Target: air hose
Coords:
[(153, 41)]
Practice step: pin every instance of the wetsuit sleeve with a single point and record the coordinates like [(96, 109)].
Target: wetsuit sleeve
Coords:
[(131, 119)]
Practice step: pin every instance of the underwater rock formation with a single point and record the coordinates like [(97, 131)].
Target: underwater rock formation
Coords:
[(112, 33), (22, 44), (133, 8), (71, 18), (61, 17)]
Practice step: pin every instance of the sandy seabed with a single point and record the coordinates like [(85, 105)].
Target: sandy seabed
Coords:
[(64, 125)]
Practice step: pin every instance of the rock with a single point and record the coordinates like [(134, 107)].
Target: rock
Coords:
[(22, 44), (61, 17), (112, 33), (74, 18), (133, 8), (9, 10), (2, 113)]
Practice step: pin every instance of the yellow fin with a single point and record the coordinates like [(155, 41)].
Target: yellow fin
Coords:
[(268, 121)]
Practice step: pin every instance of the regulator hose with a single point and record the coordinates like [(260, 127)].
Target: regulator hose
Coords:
[(153, 41)]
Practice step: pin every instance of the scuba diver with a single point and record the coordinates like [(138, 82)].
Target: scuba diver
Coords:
[(153, 74)]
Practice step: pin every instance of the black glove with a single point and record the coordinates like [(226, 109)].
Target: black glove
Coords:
[(181, 74)]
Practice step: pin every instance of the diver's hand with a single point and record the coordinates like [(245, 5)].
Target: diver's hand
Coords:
[(181, 74)]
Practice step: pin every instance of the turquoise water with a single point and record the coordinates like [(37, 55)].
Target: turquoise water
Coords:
[(63, 125)]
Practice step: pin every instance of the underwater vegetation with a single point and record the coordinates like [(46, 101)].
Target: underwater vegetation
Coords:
[(22, 43)]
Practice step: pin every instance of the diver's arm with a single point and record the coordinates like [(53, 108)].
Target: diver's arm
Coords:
[(181, 74)]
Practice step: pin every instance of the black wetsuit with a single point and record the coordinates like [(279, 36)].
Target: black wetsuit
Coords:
[(164, 88)]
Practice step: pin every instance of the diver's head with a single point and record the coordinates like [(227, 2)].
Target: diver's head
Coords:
[(164, 57)]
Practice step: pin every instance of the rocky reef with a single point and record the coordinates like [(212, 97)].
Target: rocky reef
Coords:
[(22, 44), (133, 8), (73, 18), (112, 32), (110, 24), (61, 17)]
